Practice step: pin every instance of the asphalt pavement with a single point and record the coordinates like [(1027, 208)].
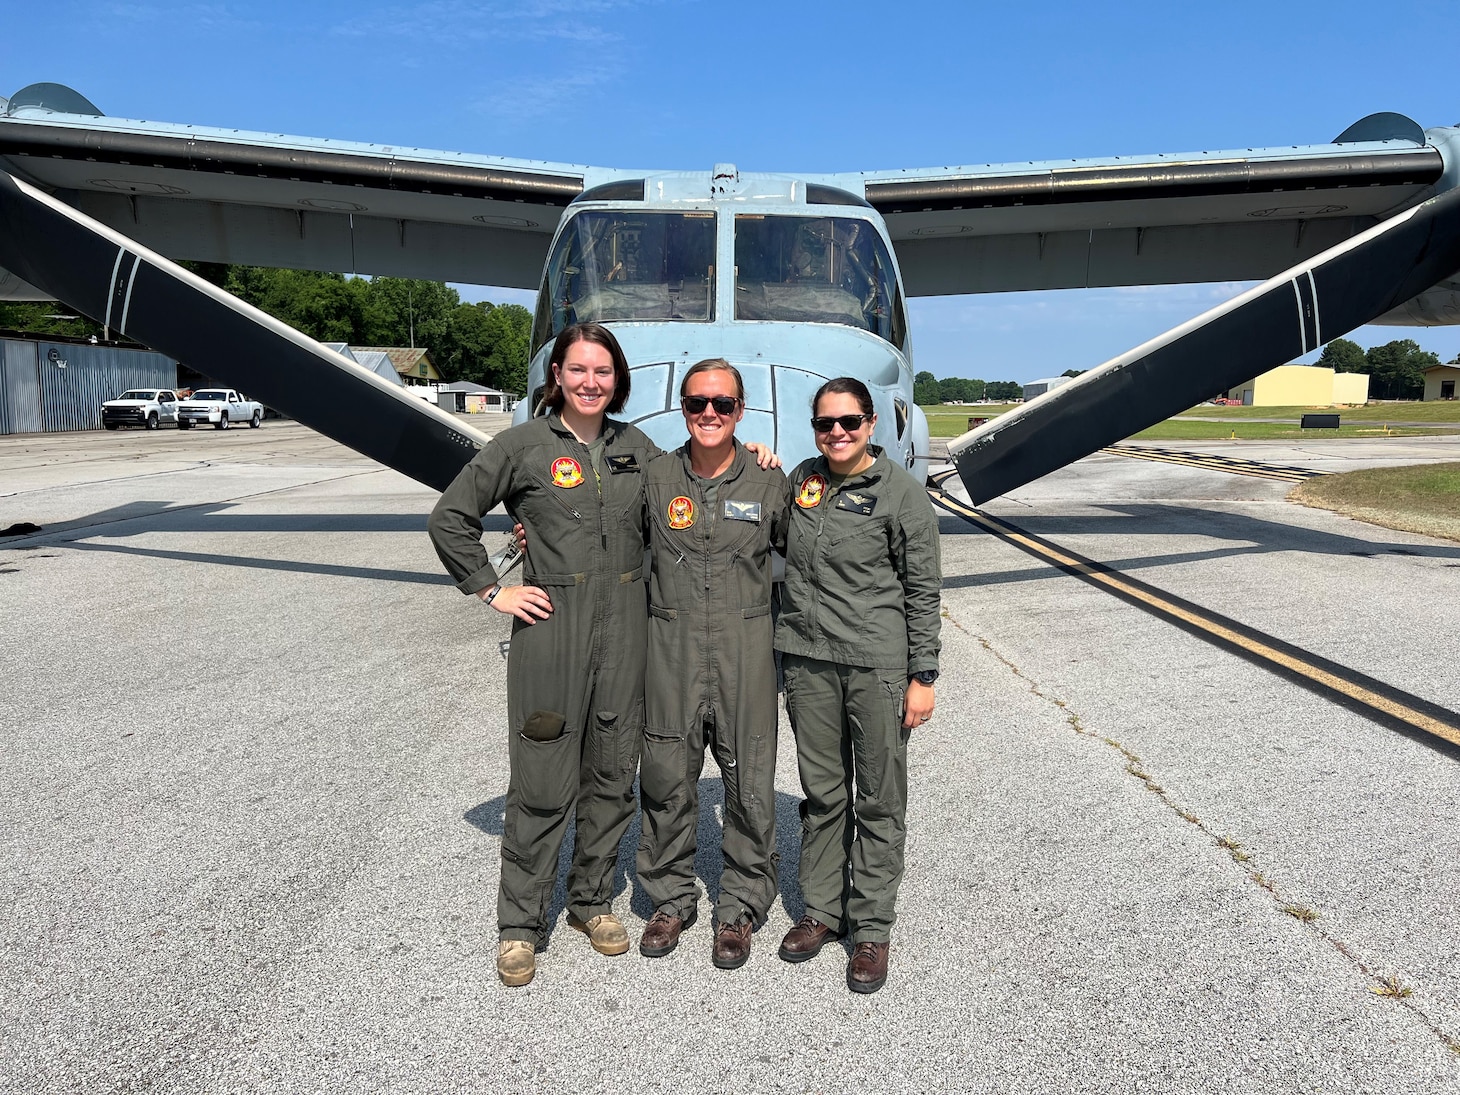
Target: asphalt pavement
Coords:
[(255, 757)]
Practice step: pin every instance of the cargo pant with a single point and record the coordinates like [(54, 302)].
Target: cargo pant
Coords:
[(743, 743), (711, 682), (852, 753), (585, 664)]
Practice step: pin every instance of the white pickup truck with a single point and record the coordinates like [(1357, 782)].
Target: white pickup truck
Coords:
[(220, 406), (146, 407)]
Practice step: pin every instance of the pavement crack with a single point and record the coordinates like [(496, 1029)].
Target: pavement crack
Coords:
[(1387, 986)]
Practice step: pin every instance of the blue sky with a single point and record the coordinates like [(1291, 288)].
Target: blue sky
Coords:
[(784, 87)]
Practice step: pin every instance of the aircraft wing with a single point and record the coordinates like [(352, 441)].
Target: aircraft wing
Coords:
[(226, 195), (139, 293), (1148, 220)]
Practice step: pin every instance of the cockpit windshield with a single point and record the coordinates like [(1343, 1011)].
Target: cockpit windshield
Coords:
[(816, 270), (615, 265)]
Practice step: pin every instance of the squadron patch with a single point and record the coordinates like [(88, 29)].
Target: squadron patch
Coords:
[(857, 502), (567, 472), (681, 513), (812, 488)]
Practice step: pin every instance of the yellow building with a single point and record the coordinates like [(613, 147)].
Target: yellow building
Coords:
[(1303, 386), (1440, 382)]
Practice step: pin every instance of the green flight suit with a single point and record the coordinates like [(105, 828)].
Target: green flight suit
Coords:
[(584, 663), (711, 674), (859, 615)]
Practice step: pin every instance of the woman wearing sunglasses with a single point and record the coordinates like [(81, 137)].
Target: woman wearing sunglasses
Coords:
[(859, 636), (715, 518)]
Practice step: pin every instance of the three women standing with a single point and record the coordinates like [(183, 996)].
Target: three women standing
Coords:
[(858, 631)]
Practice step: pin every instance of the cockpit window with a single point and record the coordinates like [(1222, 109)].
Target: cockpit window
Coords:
[(816, 270), (613, 265)]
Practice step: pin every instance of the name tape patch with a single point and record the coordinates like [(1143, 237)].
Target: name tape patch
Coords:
[(857, 502), (742, 511)]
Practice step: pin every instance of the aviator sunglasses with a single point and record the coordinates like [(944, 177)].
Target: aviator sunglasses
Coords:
[(723, 404), (823, 423)]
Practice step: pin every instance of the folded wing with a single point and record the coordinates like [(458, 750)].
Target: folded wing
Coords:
[(1147, 220), (223, 195), (134, 290)]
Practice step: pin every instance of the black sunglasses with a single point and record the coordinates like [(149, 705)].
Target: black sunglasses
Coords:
[(723, 404), (823, 423)]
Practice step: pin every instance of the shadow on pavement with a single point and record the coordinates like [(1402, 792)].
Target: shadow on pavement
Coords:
[(487, 817)]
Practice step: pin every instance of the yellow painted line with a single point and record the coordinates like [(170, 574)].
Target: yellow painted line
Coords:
[(1113, 581), (1218, 463)]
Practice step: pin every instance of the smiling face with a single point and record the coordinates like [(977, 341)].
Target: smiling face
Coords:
[(845, 452), (709, 428), (587, 380)]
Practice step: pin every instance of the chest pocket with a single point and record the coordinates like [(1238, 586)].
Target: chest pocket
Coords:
[(623, 487), (857, 533)]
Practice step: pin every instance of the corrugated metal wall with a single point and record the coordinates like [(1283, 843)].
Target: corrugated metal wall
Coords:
[(56, 386), (20, 388)]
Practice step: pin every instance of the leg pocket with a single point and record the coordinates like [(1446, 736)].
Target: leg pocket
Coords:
[(665, 765), (616, 742), (546, 772)]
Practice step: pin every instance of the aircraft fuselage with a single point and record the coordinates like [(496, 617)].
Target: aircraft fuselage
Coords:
[(791, 282)]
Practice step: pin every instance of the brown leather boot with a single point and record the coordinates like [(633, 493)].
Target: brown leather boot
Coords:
[(805, 940), (867, 971), (732, 944), (661, 934)]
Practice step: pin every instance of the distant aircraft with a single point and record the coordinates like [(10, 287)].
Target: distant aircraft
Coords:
[(793, 279)]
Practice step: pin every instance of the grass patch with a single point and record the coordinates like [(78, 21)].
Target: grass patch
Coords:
[(1197, 425), (953, 421), (1392, 987), (1194, 429), (1424, 498), (1434, 411)]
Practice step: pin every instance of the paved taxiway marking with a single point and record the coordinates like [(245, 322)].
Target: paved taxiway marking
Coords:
[(1347, 687), (1282, 472)]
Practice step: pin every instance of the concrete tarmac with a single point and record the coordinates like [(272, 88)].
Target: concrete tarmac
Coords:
[(255, 756)]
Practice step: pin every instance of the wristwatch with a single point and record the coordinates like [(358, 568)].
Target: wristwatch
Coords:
[(927, 677)]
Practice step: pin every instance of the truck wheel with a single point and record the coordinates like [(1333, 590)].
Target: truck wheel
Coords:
[(111, 425), (184, 424), (152, 422), (222, 423), (258, 416)]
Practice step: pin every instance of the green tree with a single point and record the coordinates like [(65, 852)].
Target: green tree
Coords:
[(327, 307), (46, 317), (491, 345), (510, 326), (950, 389), (1005, 390), (1397, 368), (1074, 372), (411, 312), (925, 390), (1343, 356)]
